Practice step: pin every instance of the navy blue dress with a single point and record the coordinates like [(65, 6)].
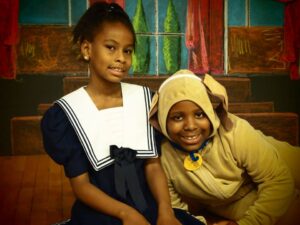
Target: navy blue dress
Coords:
[(63, 146)]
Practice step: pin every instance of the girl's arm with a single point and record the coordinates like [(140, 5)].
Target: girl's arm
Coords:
[(158, 185), (97, 199), (258, 155)]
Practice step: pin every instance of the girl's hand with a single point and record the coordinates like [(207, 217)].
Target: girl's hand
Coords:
[(168, 220), (133, 217)]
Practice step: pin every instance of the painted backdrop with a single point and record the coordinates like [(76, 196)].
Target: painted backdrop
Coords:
[(214, 36)]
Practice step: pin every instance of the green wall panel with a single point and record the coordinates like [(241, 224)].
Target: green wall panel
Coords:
[(266, 13), (43, 12), (78, 8), (236, 12), (262, 12)]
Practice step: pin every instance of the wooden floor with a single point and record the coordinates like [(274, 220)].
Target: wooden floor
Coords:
[(33, 190)]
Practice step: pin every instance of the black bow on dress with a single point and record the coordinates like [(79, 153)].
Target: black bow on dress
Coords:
[(126, 177)]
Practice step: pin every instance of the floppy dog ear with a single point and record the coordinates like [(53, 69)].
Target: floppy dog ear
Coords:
[(153, 112), (216, 90)]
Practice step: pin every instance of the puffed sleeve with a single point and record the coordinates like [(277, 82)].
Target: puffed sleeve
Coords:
[(61, 142)]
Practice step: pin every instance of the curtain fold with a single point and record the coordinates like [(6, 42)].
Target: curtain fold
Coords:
[(9, 37), (216, 59), (204, 36), (291, 29)]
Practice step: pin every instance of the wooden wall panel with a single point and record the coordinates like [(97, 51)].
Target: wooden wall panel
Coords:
[(238, 88), (26, 136), (256, 50), (47, 49)]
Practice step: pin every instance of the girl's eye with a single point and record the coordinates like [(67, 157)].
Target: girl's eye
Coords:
[(110, 47), (199, 115), (177, 117), (128, 51)]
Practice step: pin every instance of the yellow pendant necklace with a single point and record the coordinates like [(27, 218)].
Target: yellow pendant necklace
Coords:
[(193, 160)]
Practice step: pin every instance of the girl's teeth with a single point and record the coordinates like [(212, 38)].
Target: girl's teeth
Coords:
[(118, 69), (190, 138)]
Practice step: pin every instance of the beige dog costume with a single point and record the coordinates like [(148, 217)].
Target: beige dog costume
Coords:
[(243, 176)]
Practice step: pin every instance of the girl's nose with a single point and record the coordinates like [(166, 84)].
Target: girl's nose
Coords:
[(190, 123), (121, 57)]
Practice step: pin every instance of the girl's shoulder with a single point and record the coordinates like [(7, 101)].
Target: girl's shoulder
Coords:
[(240, 127), (61, 142), (54, 120)]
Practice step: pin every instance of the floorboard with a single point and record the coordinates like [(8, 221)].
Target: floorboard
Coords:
[(33, 191)]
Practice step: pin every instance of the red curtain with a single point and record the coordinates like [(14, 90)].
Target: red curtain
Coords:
[(9, 36), (204, 36), (119, 2), (291, 29)]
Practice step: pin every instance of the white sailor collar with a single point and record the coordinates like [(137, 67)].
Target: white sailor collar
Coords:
[(86, 119)]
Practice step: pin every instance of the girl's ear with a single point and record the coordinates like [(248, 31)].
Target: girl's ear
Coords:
[(217, 91), (85, 48)]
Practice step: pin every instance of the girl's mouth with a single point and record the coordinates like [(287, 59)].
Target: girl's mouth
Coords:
[(117, 69), (191, 139)]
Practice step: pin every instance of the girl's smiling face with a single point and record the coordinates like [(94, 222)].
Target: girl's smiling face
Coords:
[(110, 52), (187, 125)]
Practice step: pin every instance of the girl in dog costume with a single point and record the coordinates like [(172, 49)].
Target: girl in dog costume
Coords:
[(217, 159)]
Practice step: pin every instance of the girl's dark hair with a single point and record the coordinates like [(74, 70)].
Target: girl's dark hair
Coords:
[(97, 14)]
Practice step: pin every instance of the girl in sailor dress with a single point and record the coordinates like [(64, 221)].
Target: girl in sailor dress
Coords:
[(217, 161), (101, 135)]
